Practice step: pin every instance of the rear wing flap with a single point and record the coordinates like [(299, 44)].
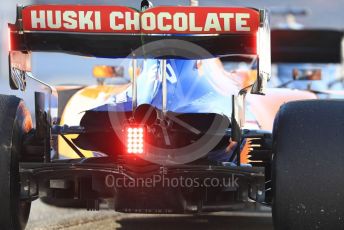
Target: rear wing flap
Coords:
[(127, 46), (307, 46)]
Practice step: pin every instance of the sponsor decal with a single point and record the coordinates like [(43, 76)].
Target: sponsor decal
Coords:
[(158, 20)]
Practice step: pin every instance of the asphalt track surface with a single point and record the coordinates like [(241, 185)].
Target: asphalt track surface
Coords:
[(45, 217)]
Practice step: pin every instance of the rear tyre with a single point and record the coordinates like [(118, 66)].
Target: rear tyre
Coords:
[(15, 122), (308, 165)]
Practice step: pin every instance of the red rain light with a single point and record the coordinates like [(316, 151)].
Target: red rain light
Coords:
[(135, 140)]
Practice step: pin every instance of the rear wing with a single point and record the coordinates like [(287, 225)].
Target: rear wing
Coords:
[(307, 46), (119, 32)]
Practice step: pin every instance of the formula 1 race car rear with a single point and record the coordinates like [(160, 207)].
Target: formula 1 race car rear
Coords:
[(166, 153)]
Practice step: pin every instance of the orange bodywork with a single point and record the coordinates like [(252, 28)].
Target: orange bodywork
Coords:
[(266, 107), (85, 99)]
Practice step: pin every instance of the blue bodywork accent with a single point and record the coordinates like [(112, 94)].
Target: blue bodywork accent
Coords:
[(189, 89)]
